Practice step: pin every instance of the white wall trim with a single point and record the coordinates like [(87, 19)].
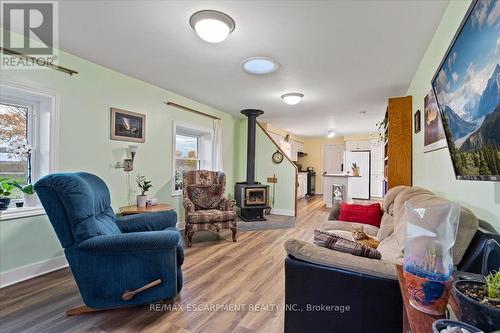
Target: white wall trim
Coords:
[(284, 212), (32, 270), (17, 213)]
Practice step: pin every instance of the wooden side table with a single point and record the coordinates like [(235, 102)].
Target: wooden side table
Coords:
[(129, 210), (414, 321)]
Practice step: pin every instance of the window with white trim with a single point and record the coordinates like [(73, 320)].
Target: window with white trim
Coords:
[(15, 151), (27, 140), (192, 151)]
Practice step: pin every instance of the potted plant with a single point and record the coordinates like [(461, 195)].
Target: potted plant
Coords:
[(382, 130), (22, 150), (144, 186), (479, 302), (28, 191), (6, 188)]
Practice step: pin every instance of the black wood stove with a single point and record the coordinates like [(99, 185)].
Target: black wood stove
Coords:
[(251, 196)]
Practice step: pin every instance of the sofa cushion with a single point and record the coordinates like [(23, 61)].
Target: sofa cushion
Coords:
[(210, 216), (390, 196), (205, 196), (366, 214), (421, 198), (334, 213), (386, 227), (337, 243), (467, 228), (322, 256), (334, 226), (390, 251), (418, 197)]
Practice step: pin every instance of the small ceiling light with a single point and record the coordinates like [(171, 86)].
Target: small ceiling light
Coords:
[(292, 98), (259, 65), (331, 133), (212, 26)]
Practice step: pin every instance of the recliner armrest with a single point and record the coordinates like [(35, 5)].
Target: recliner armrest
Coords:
[(322, 256), (147, 221), (134, 241)]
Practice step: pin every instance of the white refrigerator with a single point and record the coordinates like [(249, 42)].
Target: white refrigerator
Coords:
[(359, 187)]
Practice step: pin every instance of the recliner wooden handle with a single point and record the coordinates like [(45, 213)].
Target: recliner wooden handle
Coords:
[(129, 294)]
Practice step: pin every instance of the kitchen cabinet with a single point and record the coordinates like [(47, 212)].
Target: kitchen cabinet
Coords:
[(290, 148), (295, 147), (377, 168), (352, 145), (302, 184), (377, 185), (277, 138), (286, 147)]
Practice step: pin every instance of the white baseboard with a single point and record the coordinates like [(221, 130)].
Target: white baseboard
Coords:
[(282, 212), (32, 270)]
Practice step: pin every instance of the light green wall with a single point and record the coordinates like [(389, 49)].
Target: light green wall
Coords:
[(434, 170), (84, 145), (265, 167)]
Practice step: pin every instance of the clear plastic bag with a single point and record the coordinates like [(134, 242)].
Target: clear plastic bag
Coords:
[(428, 257)]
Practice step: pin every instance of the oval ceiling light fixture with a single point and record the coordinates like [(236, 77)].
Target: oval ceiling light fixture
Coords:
[(292, 98), (259, 65), (212, 26), (331, 133)]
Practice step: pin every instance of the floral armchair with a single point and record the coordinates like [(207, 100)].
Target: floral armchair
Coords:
[(205, 204)]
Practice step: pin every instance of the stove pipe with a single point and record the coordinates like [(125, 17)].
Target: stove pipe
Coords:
[(252, 115)]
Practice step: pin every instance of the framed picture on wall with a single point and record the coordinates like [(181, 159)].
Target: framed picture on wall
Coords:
[(416, 121), (128, 126), (434, 137)]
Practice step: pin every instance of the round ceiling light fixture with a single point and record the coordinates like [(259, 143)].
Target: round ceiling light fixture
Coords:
[(212, 26), (331, 133), (292, 98), (259, 65)]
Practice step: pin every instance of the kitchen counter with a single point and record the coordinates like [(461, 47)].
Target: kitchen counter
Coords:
[(338, 175)]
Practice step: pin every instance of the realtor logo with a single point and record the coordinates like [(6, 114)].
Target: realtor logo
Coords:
[(29, 28)]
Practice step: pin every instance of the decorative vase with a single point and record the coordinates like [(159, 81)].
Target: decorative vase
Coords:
[(141, 200), (30, 200), (4, 203), (427, 292), (483, 316)]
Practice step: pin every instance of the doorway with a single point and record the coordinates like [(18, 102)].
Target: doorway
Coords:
[(332, 156)]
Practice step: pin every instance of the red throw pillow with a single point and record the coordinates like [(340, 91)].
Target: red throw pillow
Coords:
[(367, 214)]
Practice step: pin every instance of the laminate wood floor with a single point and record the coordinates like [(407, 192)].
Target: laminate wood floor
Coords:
[(248, 274)]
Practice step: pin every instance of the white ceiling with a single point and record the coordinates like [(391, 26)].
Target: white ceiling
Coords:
[(345, 56)]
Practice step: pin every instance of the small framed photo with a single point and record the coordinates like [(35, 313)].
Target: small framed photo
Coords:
[(417, 122), (128, 126)]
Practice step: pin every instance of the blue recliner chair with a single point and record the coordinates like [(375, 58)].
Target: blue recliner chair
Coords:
[(109, 255)]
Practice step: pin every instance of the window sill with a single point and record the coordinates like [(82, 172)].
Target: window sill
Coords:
[(18, 213), (176, 193)]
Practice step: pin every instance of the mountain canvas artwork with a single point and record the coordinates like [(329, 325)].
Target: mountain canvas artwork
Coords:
[(434, 137), (467, 88)]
